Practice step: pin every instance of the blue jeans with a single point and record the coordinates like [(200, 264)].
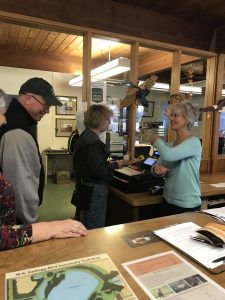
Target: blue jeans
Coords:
[(94, 217)]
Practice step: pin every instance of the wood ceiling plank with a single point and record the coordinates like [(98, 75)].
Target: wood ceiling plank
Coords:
[(22, 36), (4, 33), (49, 40), (40, 39), (19, 58), (75, 47), (13, 34), (61, 43), (32, 36), (58, 41)]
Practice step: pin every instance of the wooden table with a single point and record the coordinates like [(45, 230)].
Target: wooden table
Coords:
[(123, 207), (105, 240), (57, 159)]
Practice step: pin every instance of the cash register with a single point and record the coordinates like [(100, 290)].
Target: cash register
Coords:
[(137, 177)]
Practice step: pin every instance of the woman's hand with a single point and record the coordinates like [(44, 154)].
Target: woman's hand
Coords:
[(160, 170), (119, 163), (153, 138), (43, 231), (67, 228)]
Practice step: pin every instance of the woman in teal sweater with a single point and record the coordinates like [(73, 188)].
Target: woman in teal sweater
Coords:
[(180, 162)]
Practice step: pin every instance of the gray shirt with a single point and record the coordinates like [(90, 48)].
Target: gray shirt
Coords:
[(21, 166)]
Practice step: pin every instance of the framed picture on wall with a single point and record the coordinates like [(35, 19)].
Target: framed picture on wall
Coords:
[(149, 111), (64, 127), (69, 106)]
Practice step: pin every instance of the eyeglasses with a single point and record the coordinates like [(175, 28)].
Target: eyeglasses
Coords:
[(174, 115), (43, 104)]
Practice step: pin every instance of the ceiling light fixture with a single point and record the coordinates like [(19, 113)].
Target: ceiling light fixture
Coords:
[(183, 88), (111, 68)]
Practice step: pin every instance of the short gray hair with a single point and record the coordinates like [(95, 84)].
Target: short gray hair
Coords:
[(188, 111), (4, 99), (95, 115)]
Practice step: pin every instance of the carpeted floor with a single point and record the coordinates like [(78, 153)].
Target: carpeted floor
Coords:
[(56, 204)]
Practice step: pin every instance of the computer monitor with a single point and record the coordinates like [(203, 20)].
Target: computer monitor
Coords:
[(142, 150)]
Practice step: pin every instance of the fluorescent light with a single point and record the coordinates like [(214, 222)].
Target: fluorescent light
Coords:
[(111, 68), (223, 92), (161, 86), (190, 89), (183, 88)]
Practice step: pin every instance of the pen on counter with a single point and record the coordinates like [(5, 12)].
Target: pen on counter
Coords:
[(219, 259), (200, 240)]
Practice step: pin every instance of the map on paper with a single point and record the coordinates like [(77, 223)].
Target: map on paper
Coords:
[(88, 278)]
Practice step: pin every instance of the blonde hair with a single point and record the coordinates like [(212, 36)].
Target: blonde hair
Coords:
[(96, 114), (188, 111)]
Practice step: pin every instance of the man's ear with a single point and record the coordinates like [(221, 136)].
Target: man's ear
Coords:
[(27, 98)]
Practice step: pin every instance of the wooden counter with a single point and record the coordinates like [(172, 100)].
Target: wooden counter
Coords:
[(105, 240), (123, 207)]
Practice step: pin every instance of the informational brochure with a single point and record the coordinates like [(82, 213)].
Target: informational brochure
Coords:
[(181, 236), (94, 277), (168, 276), (218, 213)]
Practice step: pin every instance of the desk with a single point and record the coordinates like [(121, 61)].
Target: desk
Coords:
[(50, 155), (132, 204), (105, 240)]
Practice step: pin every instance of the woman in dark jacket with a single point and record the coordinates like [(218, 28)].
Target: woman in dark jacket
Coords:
[(93, 170)]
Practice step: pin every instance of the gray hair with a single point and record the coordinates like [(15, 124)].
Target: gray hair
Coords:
[(95, 115), (3, 101), (188, 111)]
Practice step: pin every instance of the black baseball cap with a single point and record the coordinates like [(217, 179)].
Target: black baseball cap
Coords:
[(41, 87)]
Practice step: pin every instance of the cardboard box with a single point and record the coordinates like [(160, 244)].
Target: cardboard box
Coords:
[(62, 177)]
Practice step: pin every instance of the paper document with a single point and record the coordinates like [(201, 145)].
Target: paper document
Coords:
[(218, 185), (180, 236), (217, 213), (129, 171), (168, 276), (93, 277)]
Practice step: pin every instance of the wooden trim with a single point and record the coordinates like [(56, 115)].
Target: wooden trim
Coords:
[(209, 100), (86, 88), (175, 83), (132, 109), (215, 133), (208, 117)]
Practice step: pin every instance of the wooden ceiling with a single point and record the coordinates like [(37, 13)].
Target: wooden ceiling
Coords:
[(209, 12), (36, 47)]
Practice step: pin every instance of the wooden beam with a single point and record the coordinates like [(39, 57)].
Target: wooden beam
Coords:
[(207, 119), (18, 58), (218, 96), (160, 61), (175, 84), (117, 18), (132, 109), (86, 88), (220, 40)]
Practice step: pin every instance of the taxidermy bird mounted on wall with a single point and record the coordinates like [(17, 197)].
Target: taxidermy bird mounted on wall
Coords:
[(217, 107), (138, 94), (178, 97)]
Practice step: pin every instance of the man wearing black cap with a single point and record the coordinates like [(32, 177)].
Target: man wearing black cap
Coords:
[(19, 153)]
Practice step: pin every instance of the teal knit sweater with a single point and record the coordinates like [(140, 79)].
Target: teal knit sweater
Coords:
[(182, 187)]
